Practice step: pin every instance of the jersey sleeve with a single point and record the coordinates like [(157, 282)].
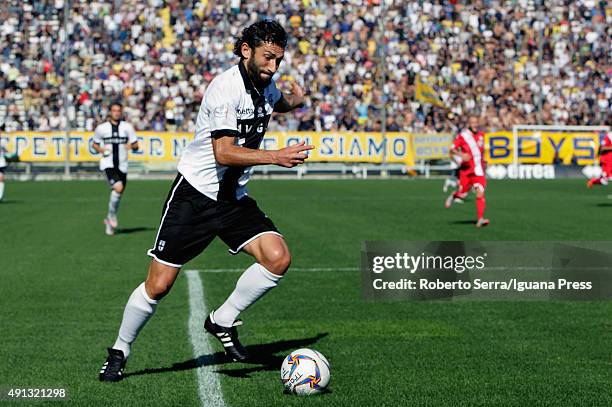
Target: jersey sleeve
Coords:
[(97, 137), (275, 94), (221, 101), (132, 138), (458, 143)]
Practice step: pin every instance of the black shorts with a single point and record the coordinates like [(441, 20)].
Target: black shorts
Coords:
[(191, 220), (2, 169), (114, 175)]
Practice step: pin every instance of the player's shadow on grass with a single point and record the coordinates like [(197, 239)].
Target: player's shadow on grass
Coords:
[(605, 204), (263, 357), (122, 231), (463, 222)]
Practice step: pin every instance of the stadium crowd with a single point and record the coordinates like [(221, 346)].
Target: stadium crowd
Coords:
[(353, 57)]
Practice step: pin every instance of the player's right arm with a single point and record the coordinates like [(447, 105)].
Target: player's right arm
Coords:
[(231, 155), (457, 150), (220, 102), (100, 149), (97, 140)]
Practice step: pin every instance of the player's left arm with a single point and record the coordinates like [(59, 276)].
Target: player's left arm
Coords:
[(290, 101), (132, 139)]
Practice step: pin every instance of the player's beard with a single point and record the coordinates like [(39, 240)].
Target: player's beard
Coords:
[(255, 74)]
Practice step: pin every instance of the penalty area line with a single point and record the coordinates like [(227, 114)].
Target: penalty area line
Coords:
[(297, 269), (209, 386)]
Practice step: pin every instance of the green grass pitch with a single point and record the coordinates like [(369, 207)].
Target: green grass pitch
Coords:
[(64, 285)]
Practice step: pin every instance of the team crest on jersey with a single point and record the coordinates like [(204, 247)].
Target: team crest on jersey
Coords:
[(221, 111), (160, 245)]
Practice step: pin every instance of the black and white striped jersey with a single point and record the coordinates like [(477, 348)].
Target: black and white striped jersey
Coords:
[(115, 138), (2, 150), (231, 106)]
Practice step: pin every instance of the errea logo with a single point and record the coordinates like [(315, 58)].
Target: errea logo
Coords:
[(160, 245)]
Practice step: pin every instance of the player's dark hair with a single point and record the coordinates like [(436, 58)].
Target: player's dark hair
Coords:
[(115, 104), (260, 32)]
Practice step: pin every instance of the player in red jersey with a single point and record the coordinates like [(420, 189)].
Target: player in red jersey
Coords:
[(605, 161), (469, 144)]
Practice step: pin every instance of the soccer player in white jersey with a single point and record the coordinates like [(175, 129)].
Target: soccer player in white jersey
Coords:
[(209, 198), (112, 139), (2, 169)]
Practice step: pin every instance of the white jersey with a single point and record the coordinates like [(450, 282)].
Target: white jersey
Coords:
[(231, 106), (115, 139), (2, 159)]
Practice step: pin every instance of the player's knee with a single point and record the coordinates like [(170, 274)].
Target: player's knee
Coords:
[(118, 187), (277, 260), (157, 288)]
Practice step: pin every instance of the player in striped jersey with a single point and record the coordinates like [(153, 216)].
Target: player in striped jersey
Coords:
[(112, 140), (209, 197), (2, 169), (469, 144)]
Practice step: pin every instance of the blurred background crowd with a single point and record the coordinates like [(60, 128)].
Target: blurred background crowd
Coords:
[(512, 62)]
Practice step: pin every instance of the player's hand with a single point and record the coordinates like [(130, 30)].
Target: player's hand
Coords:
[(298, 94), (465, 157), (291, 156)]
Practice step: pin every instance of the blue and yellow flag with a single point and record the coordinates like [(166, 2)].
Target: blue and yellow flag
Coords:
[(425, 93)]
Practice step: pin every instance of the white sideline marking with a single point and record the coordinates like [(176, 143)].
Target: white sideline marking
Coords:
[(314, 269), (208, 381)]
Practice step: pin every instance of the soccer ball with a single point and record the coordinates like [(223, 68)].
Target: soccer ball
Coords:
[(305, 372)]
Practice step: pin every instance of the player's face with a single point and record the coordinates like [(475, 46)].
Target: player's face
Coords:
[(115, 113), (263, 62), (473, 122)]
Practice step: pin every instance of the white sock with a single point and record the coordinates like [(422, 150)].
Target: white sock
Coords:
[(113, 203), (1, 189), (138, 310), (251, 286)]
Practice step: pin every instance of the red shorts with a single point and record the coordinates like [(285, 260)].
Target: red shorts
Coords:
[(467, 181)]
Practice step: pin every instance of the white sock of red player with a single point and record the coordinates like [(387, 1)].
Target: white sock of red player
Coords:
[(1, 189), (251, 286), (138, 310)]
